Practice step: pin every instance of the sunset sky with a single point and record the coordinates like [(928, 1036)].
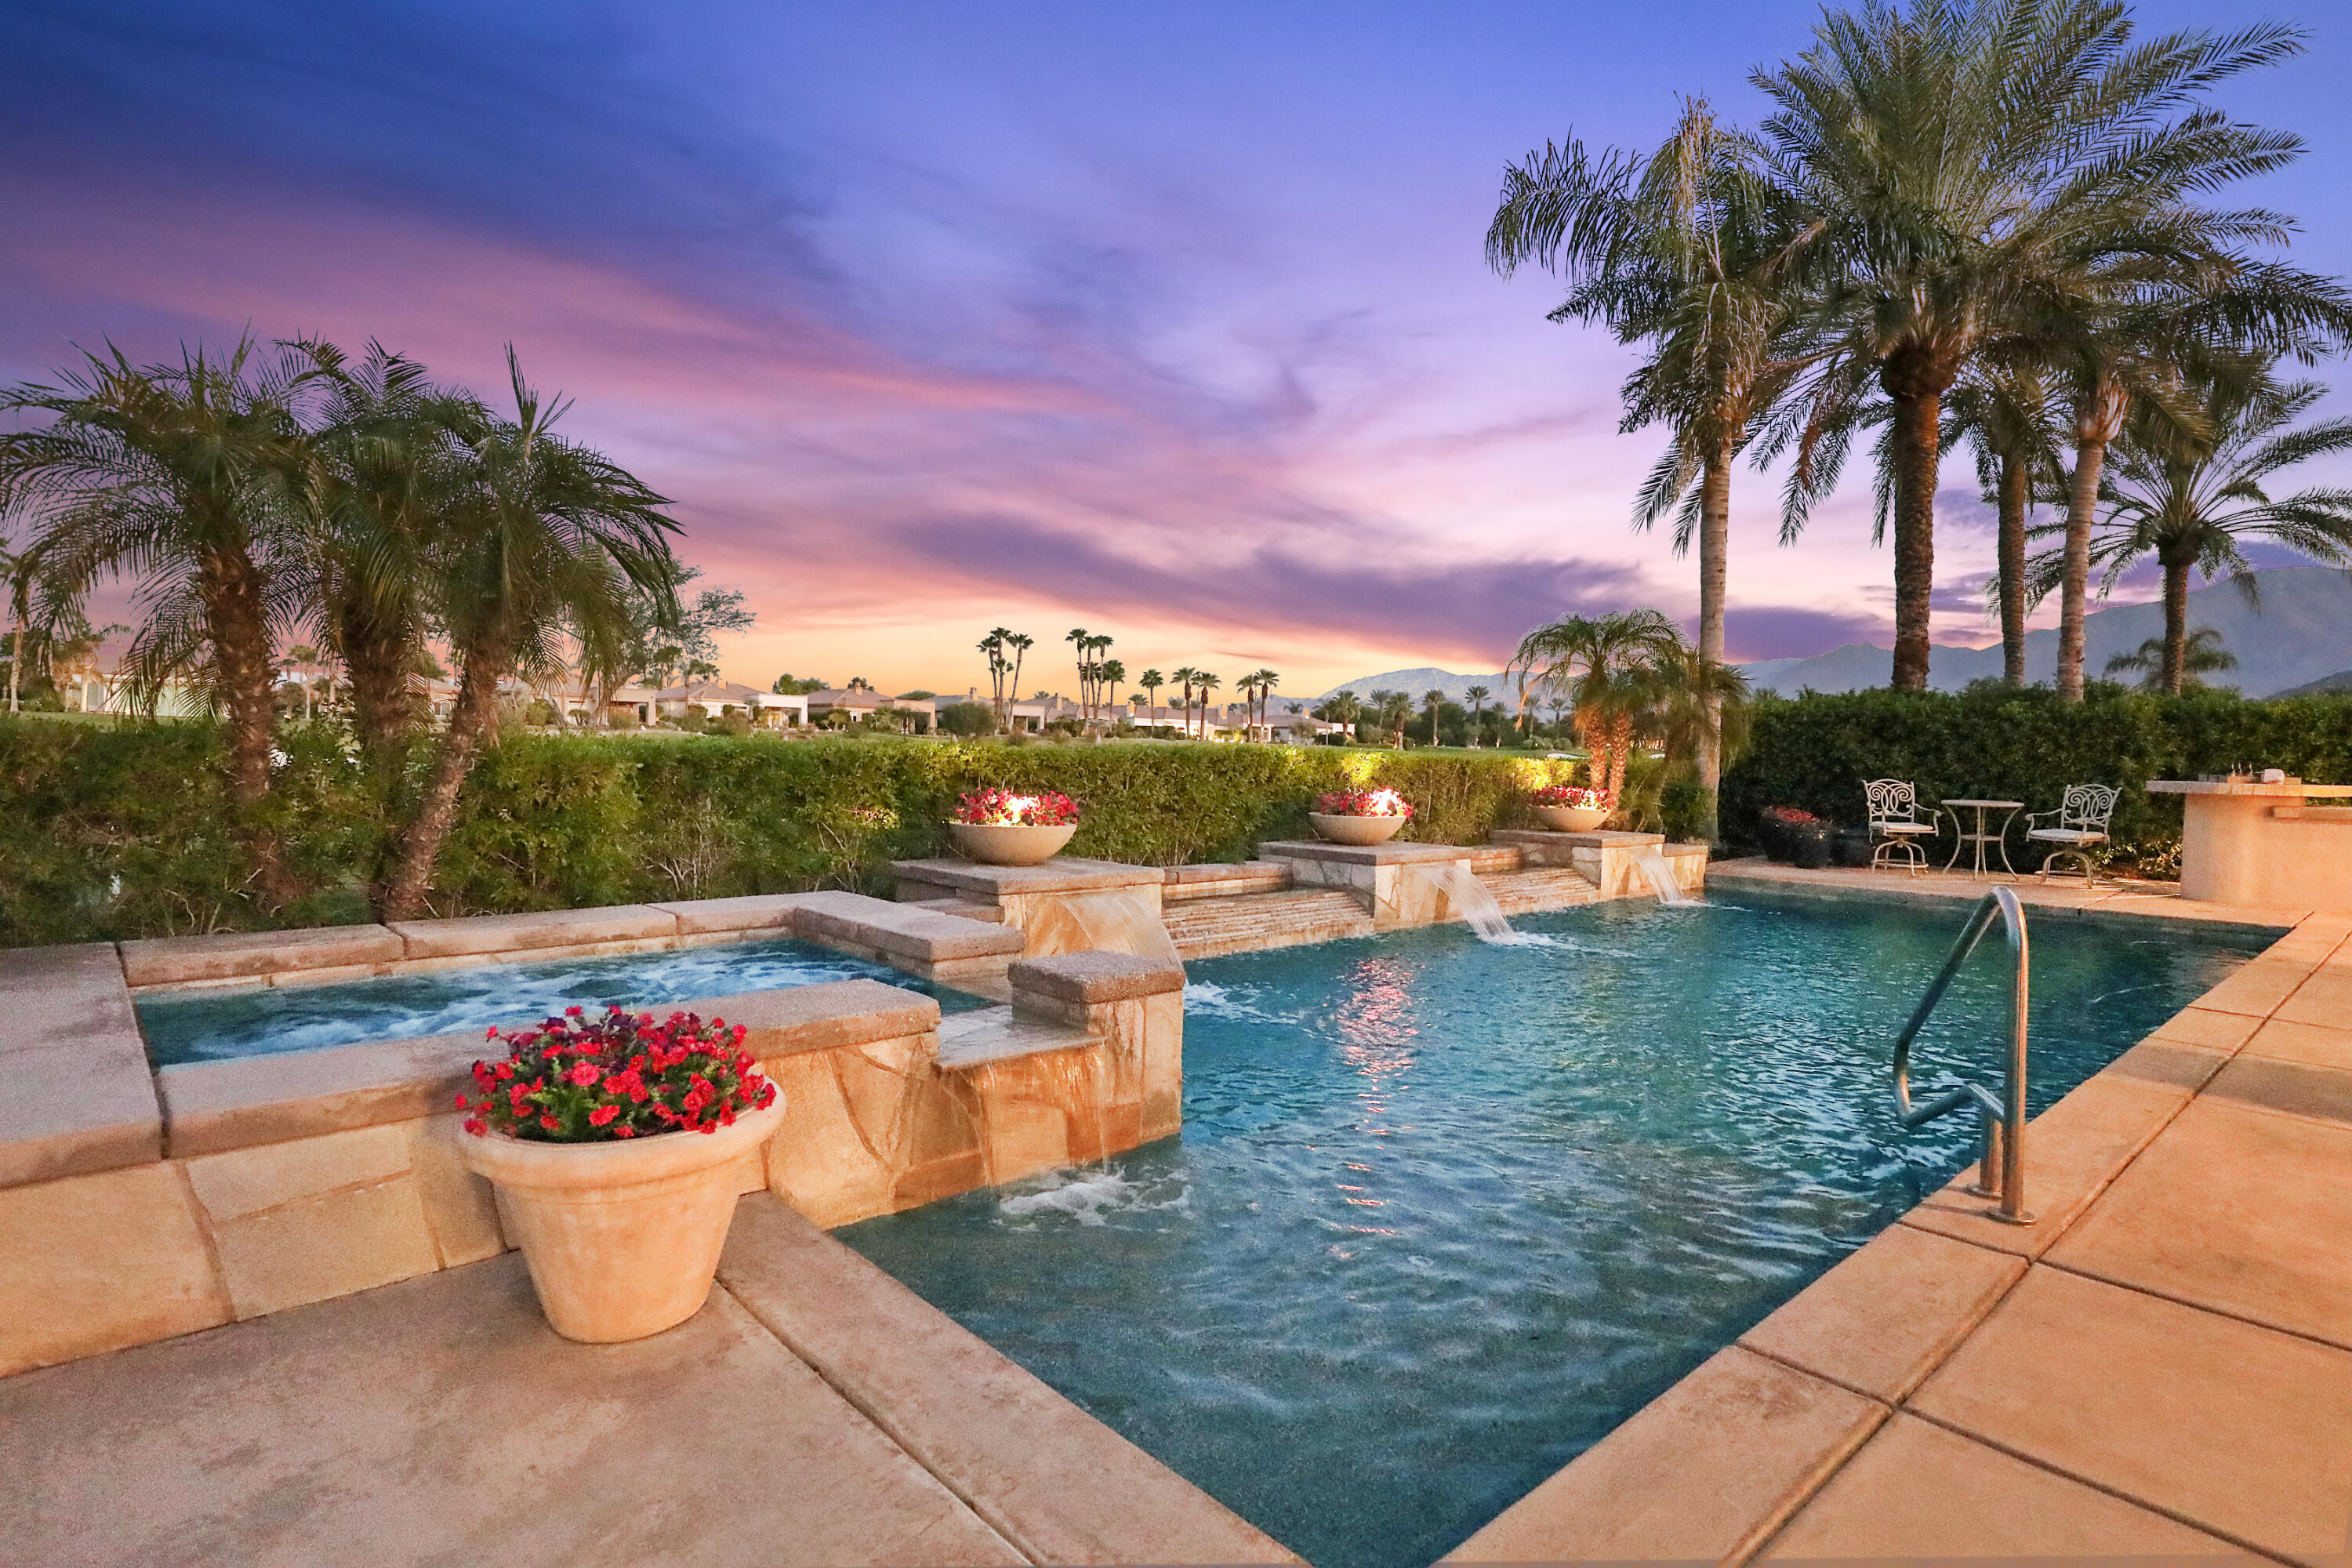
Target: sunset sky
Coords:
[(1167, 321)]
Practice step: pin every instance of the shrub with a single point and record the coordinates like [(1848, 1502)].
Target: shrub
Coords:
[(966, 719), (113, 833), (2022, 743)]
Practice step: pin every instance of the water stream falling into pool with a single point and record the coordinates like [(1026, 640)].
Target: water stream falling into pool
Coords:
[(1472, 899), (1662, 880)]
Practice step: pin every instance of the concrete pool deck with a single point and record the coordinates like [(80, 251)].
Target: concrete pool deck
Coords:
[(2163, 1365)]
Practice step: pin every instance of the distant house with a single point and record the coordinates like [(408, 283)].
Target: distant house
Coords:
[(717, 699), (922, 711)]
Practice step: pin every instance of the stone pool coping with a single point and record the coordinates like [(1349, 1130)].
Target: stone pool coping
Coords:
[(2162, 1365)]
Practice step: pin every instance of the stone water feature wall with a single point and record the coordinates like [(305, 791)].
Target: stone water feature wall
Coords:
[(137, 1204)]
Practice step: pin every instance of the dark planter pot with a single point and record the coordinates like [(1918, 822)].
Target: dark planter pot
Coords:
[(1853, 846), (1771, 839), (1809, 847)]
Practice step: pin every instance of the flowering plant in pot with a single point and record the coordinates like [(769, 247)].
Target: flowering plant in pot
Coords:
[(613, 1143), (1360, 816), (1571, 810), (1793, 834), (999, 827)]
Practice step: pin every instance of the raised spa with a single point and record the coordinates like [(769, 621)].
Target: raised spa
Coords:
[(206, 1026), (1444, 1213)]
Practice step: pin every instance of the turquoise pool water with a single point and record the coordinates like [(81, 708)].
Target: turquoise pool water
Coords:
[(208, 1026), (1443, 1213)]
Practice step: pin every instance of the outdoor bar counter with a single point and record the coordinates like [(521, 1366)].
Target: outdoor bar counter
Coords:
[(2250, 843)]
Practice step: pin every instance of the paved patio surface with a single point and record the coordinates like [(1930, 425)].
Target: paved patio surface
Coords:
[(440, 1421), (2162, 1367)]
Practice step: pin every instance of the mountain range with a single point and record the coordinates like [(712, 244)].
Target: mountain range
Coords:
[(2299, 636)]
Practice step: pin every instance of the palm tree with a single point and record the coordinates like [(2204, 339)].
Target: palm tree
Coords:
[(2191, 501), (1204, 683), (1391, 709), (547, 532), (1084, 642), (1976, 169), (184, 477), (1255, 687), (1151, 680), (392, 449), (1478, 695), (1185, 677), (1433, 699), (300, 659), (2165, 668), (2004, 411), (17, 570), (1110, 672), (1341, 707), (1688, 249), (1598, 663), (1020, 642)]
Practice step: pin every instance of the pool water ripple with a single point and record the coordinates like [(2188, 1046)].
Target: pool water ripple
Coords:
[(1444, 1213)]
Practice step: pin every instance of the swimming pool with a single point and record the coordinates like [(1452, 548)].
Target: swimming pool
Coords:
[(1443, 1214), (206, 1026)]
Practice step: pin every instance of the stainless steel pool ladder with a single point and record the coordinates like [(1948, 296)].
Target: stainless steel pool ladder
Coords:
[(2002, 1174)]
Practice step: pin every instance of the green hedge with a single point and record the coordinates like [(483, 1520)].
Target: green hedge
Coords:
[(2008, 743), (122, 833)]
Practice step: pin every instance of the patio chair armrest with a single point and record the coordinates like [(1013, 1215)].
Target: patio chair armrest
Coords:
[(2033, 816)]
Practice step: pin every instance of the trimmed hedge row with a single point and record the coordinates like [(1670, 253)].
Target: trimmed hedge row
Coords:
[(2011, 743), (122, 833)]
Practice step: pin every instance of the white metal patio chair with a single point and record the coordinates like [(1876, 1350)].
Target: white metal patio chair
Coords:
[(2082, 815), (1896, 825)]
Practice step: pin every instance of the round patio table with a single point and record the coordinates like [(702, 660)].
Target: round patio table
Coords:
[(1979, 839)]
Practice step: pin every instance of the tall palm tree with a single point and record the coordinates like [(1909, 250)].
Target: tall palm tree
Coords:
[(1688, 249), (301, 659), (1341, 707), (1020, 642), (1184, 675), (2005, 413), (1433, 700), (1391, 710), (2191, 499), (1203, 682), (184, 477), (1969, 162), (1599, 662), (549, 533), (1110, 672), (1478, 695), (1255, 687), (1084, 642), (1151, 680), (2173, 671)]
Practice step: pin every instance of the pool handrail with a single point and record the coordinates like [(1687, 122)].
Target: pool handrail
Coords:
[(2002, 1173)]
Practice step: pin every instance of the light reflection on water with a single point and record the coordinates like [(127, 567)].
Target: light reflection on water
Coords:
[(1444, 1213)]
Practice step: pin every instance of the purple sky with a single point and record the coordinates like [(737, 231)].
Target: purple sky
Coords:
[(1170, 321)]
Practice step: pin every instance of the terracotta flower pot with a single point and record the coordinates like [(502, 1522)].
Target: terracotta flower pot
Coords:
[(995, 845), (1574, 818), (1356, 830), (622, 1238)]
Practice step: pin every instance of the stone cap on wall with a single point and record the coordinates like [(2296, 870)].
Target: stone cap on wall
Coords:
[(79, 1095), (907, 929), (469, 934), (1389, 853), (1088, 978), (1223, 871), (1062, 874), (230, 956), (1600, 840)]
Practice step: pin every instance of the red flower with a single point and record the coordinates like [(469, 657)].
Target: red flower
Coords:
[(581, 1077), (551, 1123), (585, 1074), (602, 1114)]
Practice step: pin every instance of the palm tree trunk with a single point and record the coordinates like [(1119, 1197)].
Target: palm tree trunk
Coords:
[(230, 588), (376, 658), (420, 845), (2015, 488), (1620, 749), (2074, 588), (2176, 623), (1918, 432), (1714, 550), (15, 660)]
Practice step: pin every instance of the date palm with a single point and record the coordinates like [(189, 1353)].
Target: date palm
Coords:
[(1151, 680), (548, 534), (1184, 675), (1975, 166), (1598, 663), (1020, 642), (184, 479), (1478, 695), (1433, 700), (1255, 686), (1688, 250), (2006, 415), (1204, 682), (2192, 499), (2164, 669)]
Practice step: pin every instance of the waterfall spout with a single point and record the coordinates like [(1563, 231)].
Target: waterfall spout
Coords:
[(1470, 898), (1662, 879)]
